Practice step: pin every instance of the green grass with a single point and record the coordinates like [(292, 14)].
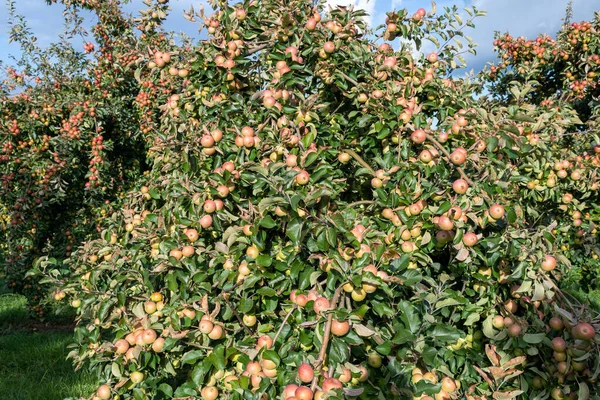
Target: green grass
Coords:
[(33, 362)]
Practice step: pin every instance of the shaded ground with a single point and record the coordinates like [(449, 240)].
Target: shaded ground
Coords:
[(33, 364)]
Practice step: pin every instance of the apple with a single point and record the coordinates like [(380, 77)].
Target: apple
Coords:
[(496, 211), (340, 328), (158, 344), (460, 186), (374, 360), (216, 333), (418, 136), (559, 345), (469, 239), (514, 330), (556, 324), (302, 178), (290, 391), (121, 346), (583, 331), (329, 47), (249, 319), (330, 384), (306, 372), (320, 304), (103, 392), (448, 385), (191, 234), (549, 263), (209, 393), (149, 336), (206, 326), (498, 322), (136, 377), (264, 341)]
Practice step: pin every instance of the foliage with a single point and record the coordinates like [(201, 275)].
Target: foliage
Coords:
[(325, 211), (70, 145)]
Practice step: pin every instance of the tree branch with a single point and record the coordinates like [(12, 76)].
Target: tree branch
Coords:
[(359, 160), (283, 323), (326, 334)]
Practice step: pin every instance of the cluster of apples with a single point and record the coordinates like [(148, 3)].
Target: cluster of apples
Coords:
[(448, 385)]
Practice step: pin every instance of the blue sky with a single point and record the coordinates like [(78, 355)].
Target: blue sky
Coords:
[(519, 17)]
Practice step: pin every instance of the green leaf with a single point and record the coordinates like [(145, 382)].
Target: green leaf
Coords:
[(294, 230), (264, 260), (266, 291), (338, 350), (200, 371), (492, 143), (166, 389), (534, 338), (271, 355), (267, 222), (403, 336), (409, 316), (217, 357), (385, 348), (192, 356), (445, 333)]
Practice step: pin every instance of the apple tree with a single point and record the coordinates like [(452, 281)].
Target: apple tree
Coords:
[(330, 214)]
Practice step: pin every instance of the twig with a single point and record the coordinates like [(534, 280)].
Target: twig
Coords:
[(253, 50), (283, 323), (359, 203), (359, 160), (326, 335), (348, 78), (239, 318)]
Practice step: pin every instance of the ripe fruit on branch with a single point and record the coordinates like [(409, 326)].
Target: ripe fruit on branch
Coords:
[(470, 239), (209, 393), (330, 384), (340, 328), (458, 156), (583, 331), (306, 373), (329, 47), (320, 304), (549, 263), (264, 341), (460, 186), (302, 178), (103, 392), (303, 393), (191, 234), (418, 136), (496, 211), (136, 377), (249, 319), (374, 360)]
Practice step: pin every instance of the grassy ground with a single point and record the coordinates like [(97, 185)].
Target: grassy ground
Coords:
[(33, 363)]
